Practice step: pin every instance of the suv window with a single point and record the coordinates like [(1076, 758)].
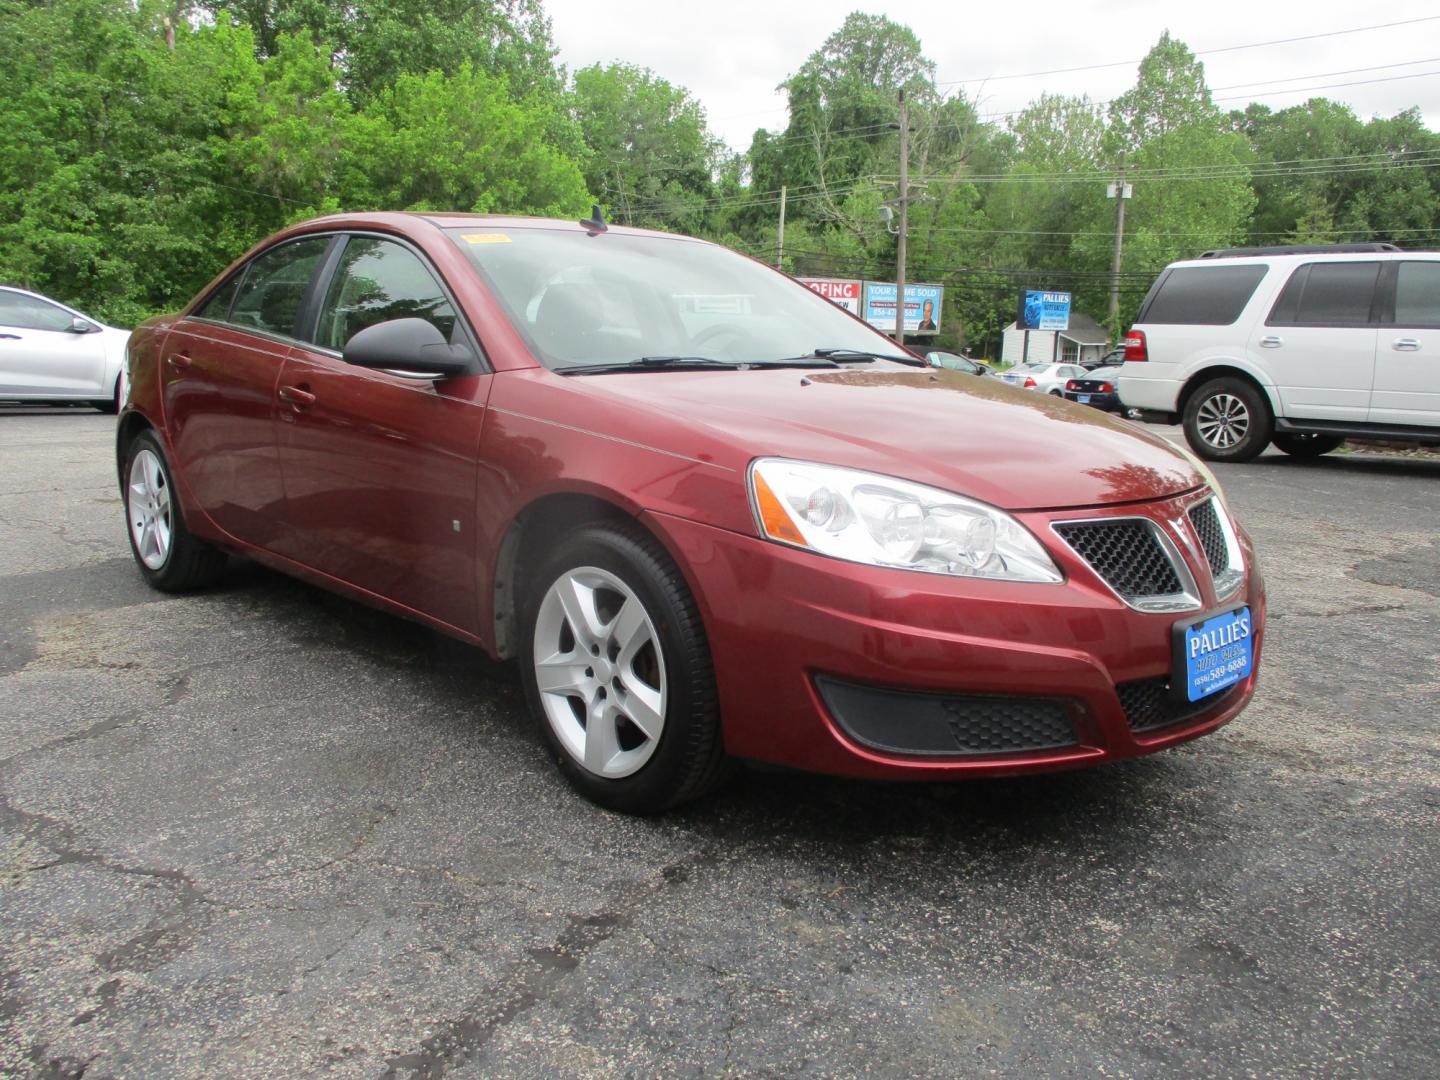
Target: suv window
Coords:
[(1417, 294), (1202, 295), (376, 281), (1327, 294), (31, 313), (274, 286)]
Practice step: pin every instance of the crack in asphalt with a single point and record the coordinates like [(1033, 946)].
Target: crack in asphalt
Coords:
[(1370, 609), (535, 979)]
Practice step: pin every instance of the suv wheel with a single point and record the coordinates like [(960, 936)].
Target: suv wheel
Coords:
[(1228, 419), (1305, 446)]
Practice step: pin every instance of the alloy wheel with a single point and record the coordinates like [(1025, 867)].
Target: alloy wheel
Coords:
[(150, 513), (1223, 420), (600, 672)]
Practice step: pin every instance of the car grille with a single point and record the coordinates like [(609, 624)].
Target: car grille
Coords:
[(1206, 524), (1126, 554), (908, 722), (1149, 706)]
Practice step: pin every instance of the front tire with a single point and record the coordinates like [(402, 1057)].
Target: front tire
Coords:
[(169, 557), (1305, 446), (618, 674), (1228, 419), (111, 407)]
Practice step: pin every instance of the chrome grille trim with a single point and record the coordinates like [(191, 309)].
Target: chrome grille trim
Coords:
[(1219, 543), (1186, 598)]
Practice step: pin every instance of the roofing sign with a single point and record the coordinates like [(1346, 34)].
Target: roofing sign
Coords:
[(1043, 310), (845, 294)]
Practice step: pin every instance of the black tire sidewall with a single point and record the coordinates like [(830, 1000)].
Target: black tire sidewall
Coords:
[(691, 716), (1261, 420), (1305, 447), (178, 570)]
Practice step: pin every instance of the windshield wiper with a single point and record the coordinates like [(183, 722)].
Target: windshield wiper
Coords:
[(651, 363), (692, 363), (839, 355)]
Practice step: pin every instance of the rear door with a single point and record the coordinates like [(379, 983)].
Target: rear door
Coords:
[(218, 370), (42, 356), (1407, 361), (379, 468), (1318, 342)]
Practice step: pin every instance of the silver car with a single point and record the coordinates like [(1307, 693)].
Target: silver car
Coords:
[(53, 354), (1047, 378)]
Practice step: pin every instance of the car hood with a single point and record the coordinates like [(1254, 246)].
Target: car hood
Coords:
[(1012, 448)]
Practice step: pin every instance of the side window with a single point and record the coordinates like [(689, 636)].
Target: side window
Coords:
[(218, 306), (30, 313), (1202, 295), (1327, 294), (274, 285), (1417, 294), (377, 281)]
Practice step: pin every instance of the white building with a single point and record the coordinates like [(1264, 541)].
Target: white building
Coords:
[(1085, 340)]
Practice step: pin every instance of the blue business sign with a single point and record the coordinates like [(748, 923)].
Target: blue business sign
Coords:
[(1043, 310), (922, 307)]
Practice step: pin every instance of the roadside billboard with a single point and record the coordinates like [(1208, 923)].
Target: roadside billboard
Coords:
[(1040, 310), (842, 293), (922, 307)]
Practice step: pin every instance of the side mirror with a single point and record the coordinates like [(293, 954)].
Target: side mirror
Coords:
[(413, 346), (81, 326)]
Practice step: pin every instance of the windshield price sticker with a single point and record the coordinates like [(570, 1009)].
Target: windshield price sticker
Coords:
[(1218, 653)]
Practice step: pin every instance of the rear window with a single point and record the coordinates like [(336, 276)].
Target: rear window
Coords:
[(1417, 294), (1202, 295), (1327, 294)]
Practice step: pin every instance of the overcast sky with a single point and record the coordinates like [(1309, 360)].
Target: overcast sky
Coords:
[(732, 55)]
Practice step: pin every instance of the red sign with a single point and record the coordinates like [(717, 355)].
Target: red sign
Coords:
[(845, 294)]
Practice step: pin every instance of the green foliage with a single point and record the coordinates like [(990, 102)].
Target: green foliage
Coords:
[(131, 171), (651, 157)]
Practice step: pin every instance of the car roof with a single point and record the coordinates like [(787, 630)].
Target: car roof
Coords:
[(457, 220), (1308, 256)]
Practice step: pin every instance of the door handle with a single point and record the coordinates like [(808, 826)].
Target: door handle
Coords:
[(1272, 342), (297, 397), (1406, 344), (179, 361), (10, 337)]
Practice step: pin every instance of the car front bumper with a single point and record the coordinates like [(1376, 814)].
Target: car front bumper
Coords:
[(853, 670)]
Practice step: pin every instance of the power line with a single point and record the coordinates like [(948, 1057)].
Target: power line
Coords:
[(1198, 52)]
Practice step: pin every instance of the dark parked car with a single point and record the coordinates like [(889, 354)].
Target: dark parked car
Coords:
[(955, 362), (713, 516), (1098, 389), (1114, 356)]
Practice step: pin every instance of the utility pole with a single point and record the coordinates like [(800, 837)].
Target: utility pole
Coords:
[(1119, 191), (904, 221), (780, 240)]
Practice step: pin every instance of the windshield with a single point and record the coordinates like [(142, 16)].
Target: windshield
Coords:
[(581, 300)]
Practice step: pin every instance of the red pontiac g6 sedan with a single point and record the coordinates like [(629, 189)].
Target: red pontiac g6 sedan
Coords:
[(713, 515)]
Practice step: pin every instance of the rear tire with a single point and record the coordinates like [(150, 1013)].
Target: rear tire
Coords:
[(629, 710), (170, 558), (1228, 419), (1305, 446)]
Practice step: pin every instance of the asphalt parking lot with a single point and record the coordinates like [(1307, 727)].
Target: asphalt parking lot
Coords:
[(262, 831)]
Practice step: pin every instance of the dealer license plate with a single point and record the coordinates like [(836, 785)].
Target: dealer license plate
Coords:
[(1218, 653), (1083, 399)]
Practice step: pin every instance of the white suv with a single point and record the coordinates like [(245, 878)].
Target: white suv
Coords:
[(1302, 347)]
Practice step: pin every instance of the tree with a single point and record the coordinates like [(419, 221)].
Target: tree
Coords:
[(651, 157)]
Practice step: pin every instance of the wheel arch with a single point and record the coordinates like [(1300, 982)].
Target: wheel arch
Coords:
[(532, 532), (1222, 371), (132, 422)]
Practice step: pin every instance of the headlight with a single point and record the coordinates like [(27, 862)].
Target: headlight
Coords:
[(882, 521)]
